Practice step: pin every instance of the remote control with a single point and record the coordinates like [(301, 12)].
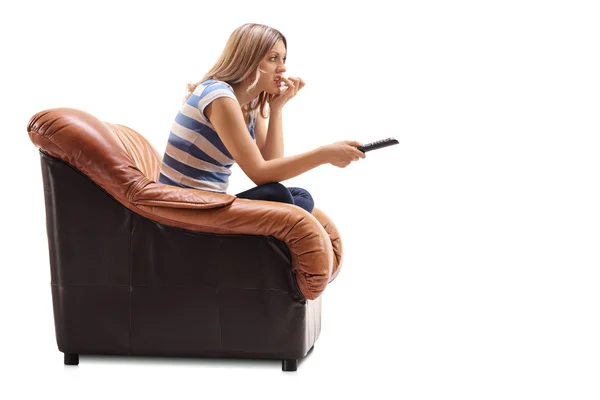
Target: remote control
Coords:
[(378, 144)]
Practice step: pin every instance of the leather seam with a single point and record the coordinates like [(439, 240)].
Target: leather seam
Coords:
[(219, 315), (179, 286), (130, 263), (174, 204), (134, 189), (196, 225)]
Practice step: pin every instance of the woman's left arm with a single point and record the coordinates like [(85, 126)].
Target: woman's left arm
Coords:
[(273, 144), (273, 147)]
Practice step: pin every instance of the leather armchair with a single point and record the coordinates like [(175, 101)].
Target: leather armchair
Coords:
[(144, 269)]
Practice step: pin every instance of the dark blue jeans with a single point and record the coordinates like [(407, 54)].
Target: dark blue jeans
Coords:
[(275, 191)]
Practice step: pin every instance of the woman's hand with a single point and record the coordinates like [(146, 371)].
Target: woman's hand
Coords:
[(288, 89), (341, 154)]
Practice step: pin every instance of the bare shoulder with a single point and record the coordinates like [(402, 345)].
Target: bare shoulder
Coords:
[(223, 105)]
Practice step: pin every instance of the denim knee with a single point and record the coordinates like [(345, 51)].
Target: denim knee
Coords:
[(297, 191), (275, 191), (302, 198)]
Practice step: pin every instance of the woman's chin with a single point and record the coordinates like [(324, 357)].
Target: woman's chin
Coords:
[(274, 92)]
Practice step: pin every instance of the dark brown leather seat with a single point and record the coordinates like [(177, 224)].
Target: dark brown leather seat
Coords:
[(140, 268)]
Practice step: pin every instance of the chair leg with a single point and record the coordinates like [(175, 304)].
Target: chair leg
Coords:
[(71, 359), (289, 365), (292, 365)]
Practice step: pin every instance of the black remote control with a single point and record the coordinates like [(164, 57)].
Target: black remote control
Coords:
[(378, 144)]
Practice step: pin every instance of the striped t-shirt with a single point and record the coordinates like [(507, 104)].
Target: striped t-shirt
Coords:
[(195, 156)]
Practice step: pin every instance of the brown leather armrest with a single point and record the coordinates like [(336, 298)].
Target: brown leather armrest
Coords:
[(156, 194), (309, 243), (336, 240)]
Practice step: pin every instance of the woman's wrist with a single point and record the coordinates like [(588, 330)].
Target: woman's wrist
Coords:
[(323, 154), (274, 111)]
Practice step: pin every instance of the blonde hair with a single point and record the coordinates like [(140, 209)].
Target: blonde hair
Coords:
[(244, 51)]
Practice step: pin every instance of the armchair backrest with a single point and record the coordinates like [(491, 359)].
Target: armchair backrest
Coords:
[(115, 157)]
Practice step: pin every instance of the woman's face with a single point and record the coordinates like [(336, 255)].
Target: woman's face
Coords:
[(273, 66)]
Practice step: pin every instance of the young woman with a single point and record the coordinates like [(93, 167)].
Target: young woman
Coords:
[(224, 120)]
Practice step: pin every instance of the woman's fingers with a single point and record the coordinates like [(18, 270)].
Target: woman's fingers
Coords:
[(288, 85), (354, 143), (294, 83), (355, 150), (287, 81), (298, 82), (291, 84), (289, 88)]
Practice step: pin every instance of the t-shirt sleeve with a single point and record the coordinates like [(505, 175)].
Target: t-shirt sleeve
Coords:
[(210, 94)]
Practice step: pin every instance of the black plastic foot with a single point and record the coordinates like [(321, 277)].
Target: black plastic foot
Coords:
[(289, 365), (71, 359)]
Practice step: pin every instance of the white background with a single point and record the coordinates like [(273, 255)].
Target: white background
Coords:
[(471, 264)]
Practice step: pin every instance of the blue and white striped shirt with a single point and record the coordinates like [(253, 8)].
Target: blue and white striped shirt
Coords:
[(195, 156)]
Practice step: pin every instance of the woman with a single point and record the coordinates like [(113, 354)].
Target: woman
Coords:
[(224, 120)]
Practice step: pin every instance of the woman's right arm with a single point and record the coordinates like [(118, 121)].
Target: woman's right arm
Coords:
[(225, 115)]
